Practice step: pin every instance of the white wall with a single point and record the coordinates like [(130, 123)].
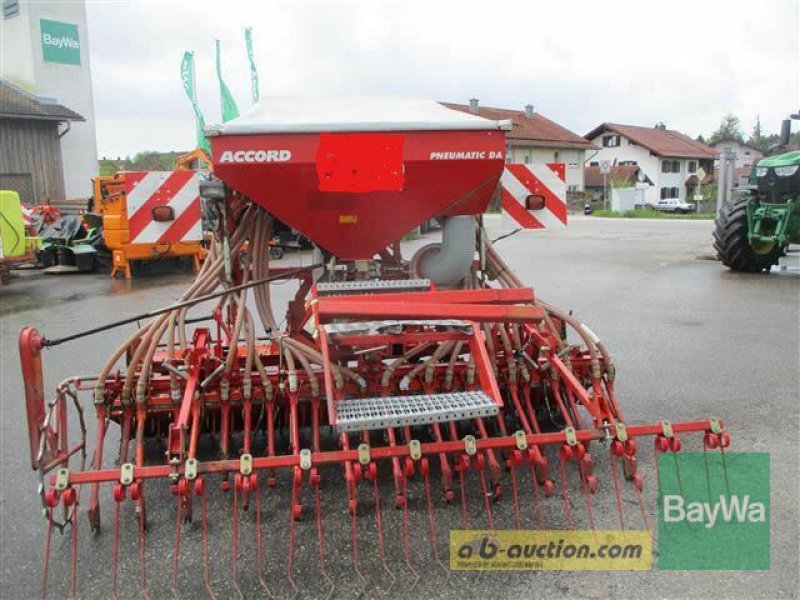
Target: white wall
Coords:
[(649, 164), (16, 53), (70, 85), (573, 159)]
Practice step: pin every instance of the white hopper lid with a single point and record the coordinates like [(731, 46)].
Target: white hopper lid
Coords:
[(386, 113)]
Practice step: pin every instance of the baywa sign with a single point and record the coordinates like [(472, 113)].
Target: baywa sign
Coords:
[(60, 42)]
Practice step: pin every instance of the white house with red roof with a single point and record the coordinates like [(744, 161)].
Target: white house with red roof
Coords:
[(674, 162), (536, 139)]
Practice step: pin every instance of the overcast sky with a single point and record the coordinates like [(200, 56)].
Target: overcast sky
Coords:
[(686, 63)]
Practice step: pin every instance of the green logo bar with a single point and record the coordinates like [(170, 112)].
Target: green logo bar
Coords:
[(60, 42), (714, 511)]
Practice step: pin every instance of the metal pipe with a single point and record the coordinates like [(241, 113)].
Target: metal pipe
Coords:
[(451, 262)]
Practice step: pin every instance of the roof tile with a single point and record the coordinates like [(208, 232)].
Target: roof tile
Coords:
[(537, 130), (662, 142)]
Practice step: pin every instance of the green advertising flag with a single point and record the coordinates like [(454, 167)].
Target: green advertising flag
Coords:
[(229, 110), (248, 40), (187, 76)]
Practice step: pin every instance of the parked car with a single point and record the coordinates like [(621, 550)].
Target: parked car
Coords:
[(674, 206)]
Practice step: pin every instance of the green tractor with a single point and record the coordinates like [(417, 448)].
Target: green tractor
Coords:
[(753, 230)]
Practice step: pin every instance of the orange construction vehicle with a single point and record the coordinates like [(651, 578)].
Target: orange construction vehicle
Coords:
[(152, 214)]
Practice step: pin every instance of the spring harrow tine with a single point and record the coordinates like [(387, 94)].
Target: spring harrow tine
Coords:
[(142, 559), (200, 490), (321, 534), (356, 563), (47, 544), (537, 497), (259, 546), (235, 542), (564, 491), (617, 491), (176, 550), (447, 473), (406, 538), (379, 527), (512, 468), (115, 551), (424, 468)]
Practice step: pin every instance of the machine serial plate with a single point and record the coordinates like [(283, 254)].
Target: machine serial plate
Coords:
[(396, 411)]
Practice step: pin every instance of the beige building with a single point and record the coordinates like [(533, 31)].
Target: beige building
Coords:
[(746, 156)]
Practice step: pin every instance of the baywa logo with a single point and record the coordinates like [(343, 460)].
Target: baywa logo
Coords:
[(60, 42), (714, 511), (729, 509), (255, 156)]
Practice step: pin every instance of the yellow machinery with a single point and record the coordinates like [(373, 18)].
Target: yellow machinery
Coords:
[(152, 214)]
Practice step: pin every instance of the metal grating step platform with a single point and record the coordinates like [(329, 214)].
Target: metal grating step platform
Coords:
[(396, 411), (373, 286)]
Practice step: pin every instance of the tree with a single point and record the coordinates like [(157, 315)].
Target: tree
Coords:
[(729, 129), (757, 138)]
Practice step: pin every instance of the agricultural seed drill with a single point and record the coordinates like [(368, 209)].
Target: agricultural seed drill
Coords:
[(440, 371)]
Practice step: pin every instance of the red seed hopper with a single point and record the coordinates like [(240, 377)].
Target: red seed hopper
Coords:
[(389, 375)]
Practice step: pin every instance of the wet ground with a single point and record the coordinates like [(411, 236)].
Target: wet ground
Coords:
[(691, 339)]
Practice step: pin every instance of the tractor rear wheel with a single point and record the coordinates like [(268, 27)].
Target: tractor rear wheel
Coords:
[(732, 244)]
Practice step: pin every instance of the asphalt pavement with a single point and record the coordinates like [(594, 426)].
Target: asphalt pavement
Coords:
[(691, 340)]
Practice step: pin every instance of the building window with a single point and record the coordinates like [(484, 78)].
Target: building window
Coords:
[(669, 192), (555, 156), (526, 159), (627, 162), (594, 163), (610, 141), (10, 8), (692, 166), (572, 188), (671, 166)]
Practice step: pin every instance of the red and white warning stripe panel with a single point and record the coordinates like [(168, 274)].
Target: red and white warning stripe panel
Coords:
[(148, 190), (523, 186)]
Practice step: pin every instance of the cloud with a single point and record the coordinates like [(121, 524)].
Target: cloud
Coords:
[(686, 63)]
